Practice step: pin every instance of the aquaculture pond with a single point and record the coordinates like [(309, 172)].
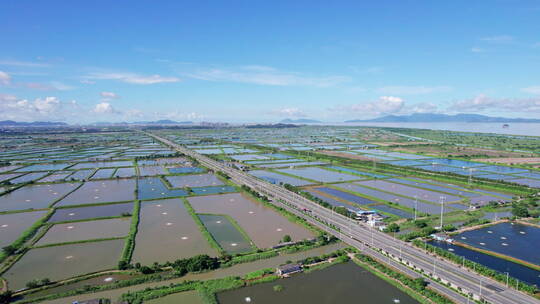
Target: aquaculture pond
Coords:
[(103, 191), (404, 201), (426, 195), (34, 196), (364, 173), (195, 180), (13, 224), (515, 270), (213, 190), (332, 201), (183, 170), (81, 174), (186, 297), (28, 177), (82, 213), (61, 262), (103, 173), (80, 231), (43, 167), (342, 283), (392, 210), (264, 226), (153, 188), (510, 239), (345, 196), (225, 233), (151, 170), (167, 225), (276, 178), (319, 174)]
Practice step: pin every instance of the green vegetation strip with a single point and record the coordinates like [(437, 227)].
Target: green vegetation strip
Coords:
[(129, 245)]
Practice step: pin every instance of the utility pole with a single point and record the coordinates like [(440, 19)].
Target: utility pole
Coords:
[(507, 279)]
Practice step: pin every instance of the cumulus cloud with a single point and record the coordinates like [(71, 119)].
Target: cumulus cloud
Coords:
[(104, 108), (413, 90), (5, 79), (532, 89), (47, 108), (385, 105), (289, 112), (133, 78), (109, 95), (483, 102), (263, 75)]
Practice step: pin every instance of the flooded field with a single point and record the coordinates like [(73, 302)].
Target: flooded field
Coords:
[(183, 170), (265, 226), (124, 172), (224, 232), (60, 262), (81, 213), (195, 180), (110, 164), (80, 231), (93, 192), (153, 188), (507, 238), (34, 196), (81, 174), (166, 225), (28, 177), (13, 224), (348, 282)]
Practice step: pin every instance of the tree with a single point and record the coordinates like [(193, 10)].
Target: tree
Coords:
[(287, 238), (393, 227), (5, 297), (420, 224), (9, 250), (520, 210)]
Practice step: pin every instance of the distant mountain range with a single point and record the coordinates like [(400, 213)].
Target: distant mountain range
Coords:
[(432, 117), (11, 123), (299, 121), (161, 122)]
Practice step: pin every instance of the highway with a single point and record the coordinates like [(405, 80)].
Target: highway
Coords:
[(399, 254)]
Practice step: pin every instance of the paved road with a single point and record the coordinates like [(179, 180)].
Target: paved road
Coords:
[(372, 241)]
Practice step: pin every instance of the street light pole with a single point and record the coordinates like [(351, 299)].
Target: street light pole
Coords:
[(415, 205), (442, 211), (507, 279)]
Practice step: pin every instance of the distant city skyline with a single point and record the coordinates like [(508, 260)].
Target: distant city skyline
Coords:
[(254, 61)]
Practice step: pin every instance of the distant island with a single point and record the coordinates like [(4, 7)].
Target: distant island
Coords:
[(432, 117), (11, 123), (299, 121)]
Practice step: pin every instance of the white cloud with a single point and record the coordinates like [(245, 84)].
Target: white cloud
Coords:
[(133, 78), (263, 75), (385, 105), (413, 90), (104, 108), (47, 105), (498, 39), (86, 81), (289, 112), (532, 89), (26, 64), (483, 103), (110, 95), (48, 108), (5, 79), (426, 107), (477, 50), (57, 85)]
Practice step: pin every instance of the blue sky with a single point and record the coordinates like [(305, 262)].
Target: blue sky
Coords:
[(263, 61)]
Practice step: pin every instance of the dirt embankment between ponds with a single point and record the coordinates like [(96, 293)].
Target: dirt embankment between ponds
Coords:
[(511, 160)]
